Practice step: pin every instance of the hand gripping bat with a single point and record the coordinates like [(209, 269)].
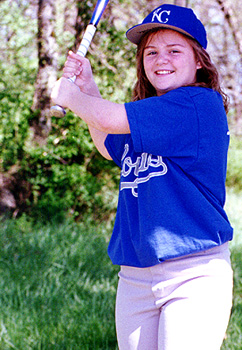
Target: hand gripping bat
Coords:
[(58, 111)]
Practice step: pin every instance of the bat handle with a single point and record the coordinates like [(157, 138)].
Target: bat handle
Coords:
[(58, 111)]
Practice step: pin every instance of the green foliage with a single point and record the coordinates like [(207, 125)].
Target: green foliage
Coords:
[(14, 125), (234, 173), (18, 68), (68, 174), (114, 75)]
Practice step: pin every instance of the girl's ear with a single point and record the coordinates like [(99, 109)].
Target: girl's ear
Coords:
[(199, 65)]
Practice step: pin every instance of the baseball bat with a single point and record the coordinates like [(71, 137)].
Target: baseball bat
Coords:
[(58, 111)]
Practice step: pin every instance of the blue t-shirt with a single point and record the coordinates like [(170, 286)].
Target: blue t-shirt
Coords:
[(173, 171)]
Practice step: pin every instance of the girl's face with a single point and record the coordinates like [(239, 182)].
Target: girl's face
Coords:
[(169, 61)]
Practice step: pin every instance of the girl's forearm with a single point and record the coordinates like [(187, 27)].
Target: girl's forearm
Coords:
[(103, 115), (100, 114)]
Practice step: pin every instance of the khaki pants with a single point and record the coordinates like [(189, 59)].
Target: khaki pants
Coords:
[(181, 304)]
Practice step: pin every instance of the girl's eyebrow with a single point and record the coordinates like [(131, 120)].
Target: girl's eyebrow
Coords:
[(150, 46), (176, 45), (168, 45)]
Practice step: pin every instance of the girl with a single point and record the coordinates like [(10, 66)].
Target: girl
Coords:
[(171, 232)]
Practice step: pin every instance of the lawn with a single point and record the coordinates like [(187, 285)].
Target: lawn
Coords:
[(57, 285), (234, 210)]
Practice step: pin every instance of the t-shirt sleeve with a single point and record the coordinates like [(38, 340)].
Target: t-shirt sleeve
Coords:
[(115, 146), (166, 125)]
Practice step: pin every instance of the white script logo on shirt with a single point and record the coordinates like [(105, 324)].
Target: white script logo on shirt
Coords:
[(142, 164)]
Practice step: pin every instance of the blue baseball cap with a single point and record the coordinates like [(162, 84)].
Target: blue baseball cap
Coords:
[(180, 19)]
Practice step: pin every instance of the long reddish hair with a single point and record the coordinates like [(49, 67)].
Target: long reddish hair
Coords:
[(207, 76)]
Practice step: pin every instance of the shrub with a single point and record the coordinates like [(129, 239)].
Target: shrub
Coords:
[(68, 175)]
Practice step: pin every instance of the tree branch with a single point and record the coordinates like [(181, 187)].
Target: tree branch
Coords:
[(232, 22)]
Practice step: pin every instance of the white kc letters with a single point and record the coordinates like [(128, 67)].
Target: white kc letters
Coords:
[(161, 16)]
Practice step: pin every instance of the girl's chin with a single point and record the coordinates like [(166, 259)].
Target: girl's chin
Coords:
[(161, 92)]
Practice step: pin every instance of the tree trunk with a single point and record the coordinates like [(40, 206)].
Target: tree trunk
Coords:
[(234, 26), (70, 17), (47, 71), (152, 4), (183, 3)]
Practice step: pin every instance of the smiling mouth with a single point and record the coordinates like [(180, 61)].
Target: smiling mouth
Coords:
[(164, 72)]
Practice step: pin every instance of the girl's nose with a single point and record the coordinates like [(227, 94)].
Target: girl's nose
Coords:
[(162, 58)]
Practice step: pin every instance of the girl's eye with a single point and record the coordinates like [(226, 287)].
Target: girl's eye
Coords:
[(175, 51), (151, 53)]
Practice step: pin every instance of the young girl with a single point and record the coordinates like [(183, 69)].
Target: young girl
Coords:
[(171, 232)]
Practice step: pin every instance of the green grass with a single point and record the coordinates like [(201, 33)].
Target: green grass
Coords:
[(57, 285), (234, 210), (57, 288)]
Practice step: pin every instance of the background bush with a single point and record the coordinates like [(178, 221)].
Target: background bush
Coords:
[(234, 173), (64, 175)]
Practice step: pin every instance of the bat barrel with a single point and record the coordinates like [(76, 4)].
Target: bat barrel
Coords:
[(98, 11), (58, 111)]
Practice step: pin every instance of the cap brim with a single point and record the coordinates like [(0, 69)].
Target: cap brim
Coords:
[(135, 33)]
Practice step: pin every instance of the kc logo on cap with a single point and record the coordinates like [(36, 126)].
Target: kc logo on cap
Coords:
[(178, 18), (161, 16)]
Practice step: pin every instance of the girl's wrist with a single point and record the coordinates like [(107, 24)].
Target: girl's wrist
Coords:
[(91, 89)]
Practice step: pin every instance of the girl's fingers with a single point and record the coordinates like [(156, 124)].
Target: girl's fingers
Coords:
[(72, 70), (72, 67), (80, 67)]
